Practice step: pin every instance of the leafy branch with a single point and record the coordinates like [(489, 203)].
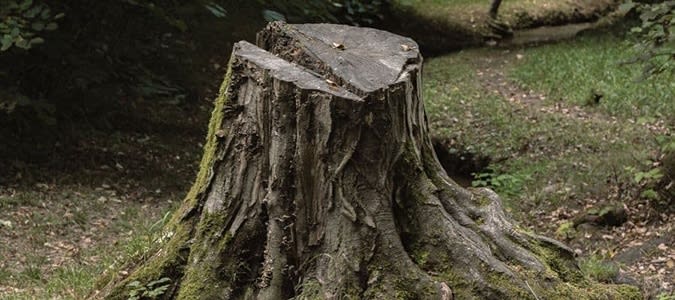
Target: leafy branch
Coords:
[(656, 48)]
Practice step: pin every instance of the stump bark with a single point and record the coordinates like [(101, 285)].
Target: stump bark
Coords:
[(319, 181)]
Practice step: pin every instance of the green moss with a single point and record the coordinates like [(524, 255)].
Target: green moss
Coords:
[(197, 278), (508, 287), (311, 290), (170, 260), (572, 281), (420, 257), (201, 280), (167, 262), (210, 148), (558, 266), (593, 292), (461, 288), (481, 200)]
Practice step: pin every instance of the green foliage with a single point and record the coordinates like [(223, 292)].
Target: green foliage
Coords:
[(666, 296), (22, 22), (565, 230), (642, 177), (654, 178), (666, 143), (507, 184), (656, 49), (647, 180), (216, 9), (599, 269), (152, 290), (42, 111)]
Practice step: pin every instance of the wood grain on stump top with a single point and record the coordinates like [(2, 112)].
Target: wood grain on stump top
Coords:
[(364, 58), (289, 72)]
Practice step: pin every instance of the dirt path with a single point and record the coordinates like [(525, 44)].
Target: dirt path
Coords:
[(491, 71)]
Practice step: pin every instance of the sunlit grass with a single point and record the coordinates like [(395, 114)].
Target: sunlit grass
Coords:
[(581, 70)]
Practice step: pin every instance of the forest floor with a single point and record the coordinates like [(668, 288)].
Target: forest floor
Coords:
[(97, 200), (516, 119), (562, 131)]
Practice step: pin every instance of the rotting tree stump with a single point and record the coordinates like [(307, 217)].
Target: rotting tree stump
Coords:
[(319, 181)]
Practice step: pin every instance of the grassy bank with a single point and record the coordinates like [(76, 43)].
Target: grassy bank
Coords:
[(439, 26)]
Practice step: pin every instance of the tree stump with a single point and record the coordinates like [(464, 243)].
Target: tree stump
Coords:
[(319, 181)]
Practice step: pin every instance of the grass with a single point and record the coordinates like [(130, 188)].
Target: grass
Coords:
[(93, 203), (599, 269), (134, 231), (578, 71), (549, 157)]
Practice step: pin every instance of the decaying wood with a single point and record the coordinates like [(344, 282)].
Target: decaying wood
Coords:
[(320, 182)]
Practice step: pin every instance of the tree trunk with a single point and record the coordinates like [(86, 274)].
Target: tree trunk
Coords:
[(319, 181), (494, 8)]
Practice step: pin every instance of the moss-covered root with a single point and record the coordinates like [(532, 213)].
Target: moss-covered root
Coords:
[(465, 238)]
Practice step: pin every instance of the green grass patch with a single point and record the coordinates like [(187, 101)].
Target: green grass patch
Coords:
[(587, 68), (599, 269), (538, 157), (134, 230)]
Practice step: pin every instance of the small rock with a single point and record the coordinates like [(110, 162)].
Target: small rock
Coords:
[(6, 223), (623, 278), (605, 215)]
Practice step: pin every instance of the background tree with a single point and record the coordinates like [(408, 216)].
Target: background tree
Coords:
[(494, 8), (498, 27)]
